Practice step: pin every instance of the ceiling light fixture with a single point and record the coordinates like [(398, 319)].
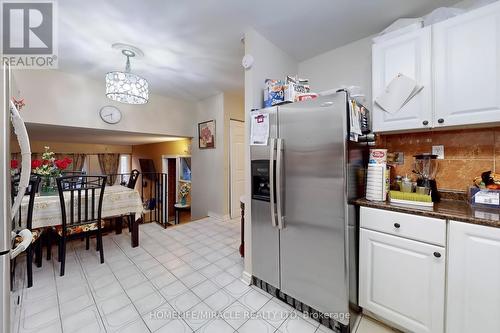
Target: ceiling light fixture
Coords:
[(126, 87)]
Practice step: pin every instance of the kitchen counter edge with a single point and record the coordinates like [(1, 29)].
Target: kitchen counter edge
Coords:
[(446, 209)]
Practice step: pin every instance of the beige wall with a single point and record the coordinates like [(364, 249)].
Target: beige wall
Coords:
[(234, 104), (345, 66), (208, 165), (70, 147), (155, 151)]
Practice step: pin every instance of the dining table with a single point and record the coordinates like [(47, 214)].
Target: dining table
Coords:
[(118, 201)]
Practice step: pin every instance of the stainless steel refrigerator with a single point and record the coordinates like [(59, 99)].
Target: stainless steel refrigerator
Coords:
[(5, 202), (304, 232)]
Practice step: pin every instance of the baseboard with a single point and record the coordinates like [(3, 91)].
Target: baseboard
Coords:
[(246, 278), (219, 217)]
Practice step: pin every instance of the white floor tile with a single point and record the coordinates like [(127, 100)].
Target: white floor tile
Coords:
[(185, 301), (113, 304), (275, 312), (219, 301), (137, 326), (114, 321), (199, 315), (369, 325), (193, 279), (236, 314), (295, 324), (158, 317), (149, 303), (205, 289), (175, 326), (237, 288), (254, 299), (256, 325), (87, 320), (216, 326), (173, 290)]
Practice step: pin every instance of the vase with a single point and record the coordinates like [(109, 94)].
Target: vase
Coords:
[(183, 201), (48, 186)]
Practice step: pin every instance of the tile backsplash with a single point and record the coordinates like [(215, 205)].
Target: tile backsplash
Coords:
[(467, 153)]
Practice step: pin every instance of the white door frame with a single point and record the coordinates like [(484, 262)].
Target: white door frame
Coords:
[(230, 170), (164, 167)]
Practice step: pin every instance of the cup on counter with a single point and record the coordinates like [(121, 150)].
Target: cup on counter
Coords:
[(406, 186), (423, 190)]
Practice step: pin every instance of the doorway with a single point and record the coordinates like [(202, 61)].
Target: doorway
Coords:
[(178, 170), (237, 165)]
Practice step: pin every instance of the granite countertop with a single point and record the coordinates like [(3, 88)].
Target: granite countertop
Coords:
[(456, 210)]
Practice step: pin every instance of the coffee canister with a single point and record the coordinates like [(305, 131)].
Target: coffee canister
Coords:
[(378, 156)]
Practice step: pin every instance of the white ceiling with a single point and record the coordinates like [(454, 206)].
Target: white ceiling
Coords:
[(193, 48), (92, 135)]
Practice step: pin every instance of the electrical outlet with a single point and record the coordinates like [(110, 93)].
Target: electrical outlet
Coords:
[(439, 151)]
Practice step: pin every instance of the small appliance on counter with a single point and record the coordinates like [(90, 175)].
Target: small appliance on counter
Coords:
[(425, 166), (486, 191)]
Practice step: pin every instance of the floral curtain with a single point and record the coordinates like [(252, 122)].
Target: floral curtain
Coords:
[(109, 166)]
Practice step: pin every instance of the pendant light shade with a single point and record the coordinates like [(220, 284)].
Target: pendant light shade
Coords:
[(126, 87)]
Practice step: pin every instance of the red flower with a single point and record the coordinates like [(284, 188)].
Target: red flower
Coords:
[(68, 160), (14, 164), (61, 164), (36, 164)]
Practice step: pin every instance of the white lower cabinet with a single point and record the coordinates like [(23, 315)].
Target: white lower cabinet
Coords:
[(473, 299), (403, 281)]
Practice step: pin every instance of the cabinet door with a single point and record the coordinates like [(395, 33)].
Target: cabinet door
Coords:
[(402, 281), (466, 53), (473, 301), (410, 55)]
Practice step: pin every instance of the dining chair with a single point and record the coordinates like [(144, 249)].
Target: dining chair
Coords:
[(81, 207), (36, 242), (134, 175)]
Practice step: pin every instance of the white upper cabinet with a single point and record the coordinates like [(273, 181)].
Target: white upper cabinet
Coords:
[(466, 55), (473, 298), (409, 54)]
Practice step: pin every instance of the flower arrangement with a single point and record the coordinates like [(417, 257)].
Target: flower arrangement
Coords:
[(19, 103), (184, 190), (49, 168), (14, 166)]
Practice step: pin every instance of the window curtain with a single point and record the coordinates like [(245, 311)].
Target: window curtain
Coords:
[(78, 162), (109, 166)]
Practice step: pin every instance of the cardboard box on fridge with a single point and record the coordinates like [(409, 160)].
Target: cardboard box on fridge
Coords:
[(273, 92)]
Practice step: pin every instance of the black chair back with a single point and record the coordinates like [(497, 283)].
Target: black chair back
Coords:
[(31, 190), (85, 194), (134, 175)]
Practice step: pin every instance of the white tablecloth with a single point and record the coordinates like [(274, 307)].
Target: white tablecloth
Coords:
[(118, 200)]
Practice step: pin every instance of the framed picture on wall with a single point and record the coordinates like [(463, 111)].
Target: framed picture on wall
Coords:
[(206, 134)]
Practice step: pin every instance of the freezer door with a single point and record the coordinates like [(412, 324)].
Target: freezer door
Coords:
[(265, 235), (314, 234), (5, 214)]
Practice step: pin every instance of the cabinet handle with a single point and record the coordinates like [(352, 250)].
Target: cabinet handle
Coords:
[(397, 225), (437, 254), (440, 120), (425, 122)]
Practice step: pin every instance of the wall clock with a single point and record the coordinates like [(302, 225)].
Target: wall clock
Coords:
[(110, 114)]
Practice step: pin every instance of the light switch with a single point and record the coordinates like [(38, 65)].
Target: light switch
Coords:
[(439, 151)]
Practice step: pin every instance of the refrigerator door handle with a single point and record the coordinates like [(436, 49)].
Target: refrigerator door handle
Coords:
[(272, 144), (279, 183)]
